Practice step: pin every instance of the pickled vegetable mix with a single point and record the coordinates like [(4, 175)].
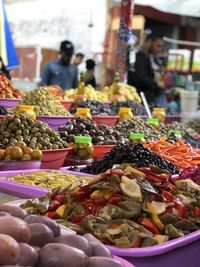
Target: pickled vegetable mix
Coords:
[(127, 207)]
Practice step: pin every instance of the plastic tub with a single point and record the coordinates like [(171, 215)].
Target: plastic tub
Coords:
[(19, 165), (108, 120), (100, 151), (9, 102), (124, 262), (168, 119), (75, 162), (172, 118), (66, 169), (19, 189), (180, 252), (22, 190), (54, 159), (66, 104), (189, 101), (54, 121)]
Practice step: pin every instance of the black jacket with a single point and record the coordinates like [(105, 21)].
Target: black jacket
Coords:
[(143, 76), (4, 70)]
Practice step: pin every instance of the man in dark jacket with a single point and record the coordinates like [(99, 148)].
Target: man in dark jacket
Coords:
[(143, 77), (3, 69)]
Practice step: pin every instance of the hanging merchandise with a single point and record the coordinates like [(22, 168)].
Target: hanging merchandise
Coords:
[(124, 35)]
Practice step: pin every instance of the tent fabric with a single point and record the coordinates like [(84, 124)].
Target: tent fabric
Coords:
[(183, 7), (7, 49)]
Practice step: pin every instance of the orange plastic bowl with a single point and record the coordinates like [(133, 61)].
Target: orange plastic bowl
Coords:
[(54, 159), (108, 120), (100, 151), (66, 104)]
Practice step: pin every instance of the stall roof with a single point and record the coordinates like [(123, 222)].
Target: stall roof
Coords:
[(183, 8)]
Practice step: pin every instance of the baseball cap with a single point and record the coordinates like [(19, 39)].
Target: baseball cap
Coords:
[(67, 46)]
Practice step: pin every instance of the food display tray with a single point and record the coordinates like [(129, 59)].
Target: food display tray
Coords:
[(24, 190), (180, 252)]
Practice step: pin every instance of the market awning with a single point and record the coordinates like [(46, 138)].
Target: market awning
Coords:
[(183, 8)]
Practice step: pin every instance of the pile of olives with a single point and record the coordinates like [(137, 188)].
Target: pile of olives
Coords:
[(130, 153), (34, 133), (45, 103), (98, 108), (137, 125), (37, 241), (20, 152), (177, 126), (101, 134)]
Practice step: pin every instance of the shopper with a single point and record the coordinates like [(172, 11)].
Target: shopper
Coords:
[(78, 59), (143, 77), (3, 69), (61, 72), (89, 74)]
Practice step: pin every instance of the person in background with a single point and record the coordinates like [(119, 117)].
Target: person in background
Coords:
[(143, 77), (61, 72), (3, 69), (78, 59), (89, 74)]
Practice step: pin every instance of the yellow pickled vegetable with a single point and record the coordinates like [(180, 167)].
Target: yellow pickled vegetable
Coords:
[(49, 180)]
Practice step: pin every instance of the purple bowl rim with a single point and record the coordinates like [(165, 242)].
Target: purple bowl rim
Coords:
[(54, 117), (24, 161), (158, 249), (11, 99), (123, 261), (39, 188)]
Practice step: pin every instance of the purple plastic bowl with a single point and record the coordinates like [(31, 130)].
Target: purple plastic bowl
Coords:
[(18, 189), (168, 119), (124, 262), (22, 190), (66, 170), (54, 121), (19, 165), (9, 102), (180, 252)]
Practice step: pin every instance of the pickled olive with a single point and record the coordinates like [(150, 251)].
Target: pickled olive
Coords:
[(45, 103), (24, 132)]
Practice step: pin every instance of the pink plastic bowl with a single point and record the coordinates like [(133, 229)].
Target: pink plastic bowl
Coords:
[(66, 104), (54, 159), (9, 102), (54, 121), (100, 151), (108, 120)]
